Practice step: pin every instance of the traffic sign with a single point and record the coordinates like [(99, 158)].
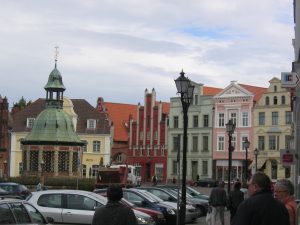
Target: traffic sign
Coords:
[(287, 157), (289, 79)]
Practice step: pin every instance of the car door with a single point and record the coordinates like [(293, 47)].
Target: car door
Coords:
[(50, 205), (79, 209)]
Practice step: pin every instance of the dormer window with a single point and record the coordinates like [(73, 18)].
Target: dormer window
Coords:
[(91, 124), (30, 122)]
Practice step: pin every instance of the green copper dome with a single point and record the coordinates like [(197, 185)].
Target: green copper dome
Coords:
[(53, 126), (55, 81)]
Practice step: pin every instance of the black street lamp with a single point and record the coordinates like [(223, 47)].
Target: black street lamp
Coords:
[(256, 151), (246, 145), (230, 127), (185, 89)]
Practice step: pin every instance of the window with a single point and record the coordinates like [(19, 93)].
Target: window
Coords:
[(84, 147), (50, 200), (272, 142), (35, 214), (30, 122), (273, 169), (261, 118), (6, 216), (233, 142), (205, 120), (261, 143), (205, 168), (221, 119), (205, 143), (175, 119), (91, 124), (141, 151), (283, 100), (141, 135), (245, 119), (275, 100), (148, 150), (83, 170), (233, 118), (288, 117), (274, 118), (244, 138), (288, 139), (94, 170), (195, 121), (155, 135), (174, 167), (221, 143), (275, 88), (162, 150), (196, 100), (195, 143), (96, 146), (175, 143), (119, 158), (267, 100), (20, 168), (19, 210), (148, 135), (80, 202)]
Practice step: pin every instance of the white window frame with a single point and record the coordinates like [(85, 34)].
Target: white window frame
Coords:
[(245, 119), (221, 143), (233, 117), (30, 122), (96, 146), (221, 120), (243, 138), (91, 124)]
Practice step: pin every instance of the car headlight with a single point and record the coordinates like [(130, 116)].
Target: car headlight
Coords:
[(142, 220), (170, 211)]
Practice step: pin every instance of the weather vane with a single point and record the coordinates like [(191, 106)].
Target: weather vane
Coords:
[(56, 54)]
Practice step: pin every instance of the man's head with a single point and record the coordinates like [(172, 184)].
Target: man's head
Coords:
[(259, 182), (114, 193), (283, 190)]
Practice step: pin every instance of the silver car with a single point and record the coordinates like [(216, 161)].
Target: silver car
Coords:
[(74, 206)]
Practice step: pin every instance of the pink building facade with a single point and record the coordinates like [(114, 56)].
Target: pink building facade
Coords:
[(234, 102)]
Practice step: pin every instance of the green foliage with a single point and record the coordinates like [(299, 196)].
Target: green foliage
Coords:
[(55, 182)]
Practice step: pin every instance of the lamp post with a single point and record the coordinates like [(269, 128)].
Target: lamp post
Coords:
[(5, 169), (256, 151), (42, 172), (230, 127), (185, 89), (246, 145)]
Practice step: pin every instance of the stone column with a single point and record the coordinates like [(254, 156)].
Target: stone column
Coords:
[(55, 161), (70, 163)]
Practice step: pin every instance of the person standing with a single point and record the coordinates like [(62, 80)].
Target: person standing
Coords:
[(261, 208), (217, 200), (114, 212), (235, 198), (284, 192)]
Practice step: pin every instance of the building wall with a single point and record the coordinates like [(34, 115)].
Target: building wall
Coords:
[(268, 157), (199, 161)]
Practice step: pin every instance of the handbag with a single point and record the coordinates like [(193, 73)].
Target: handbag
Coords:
[(208, 216)]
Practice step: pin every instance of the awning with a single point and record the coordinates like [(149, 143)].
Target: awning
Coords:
[(225, 162), (260, 163)]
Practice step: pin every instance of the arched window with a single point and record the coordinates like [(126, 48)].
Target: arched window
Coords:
[(283, 100), (267, 100), (275, 100), (275, 88)]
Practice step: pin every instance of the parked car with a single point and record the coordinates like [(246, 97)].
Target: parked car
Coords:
[(15, 189), (74, 207), (207, 182), (168, 194), (191, 191), (142, 198), (16, 211), (157, 216)]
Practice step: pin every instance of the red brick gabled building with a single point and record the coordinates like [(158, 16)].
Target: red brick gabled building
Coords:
[(148, 138), (4, 143)]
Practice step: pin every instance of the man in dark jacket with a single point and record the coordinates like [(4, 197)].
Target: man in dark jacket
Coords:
[(261, 208), (217, 200), (235, 198), (114, 213)]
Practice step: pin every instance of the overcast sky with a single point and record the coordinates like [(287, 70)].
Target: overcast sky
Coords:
[(115, 49)]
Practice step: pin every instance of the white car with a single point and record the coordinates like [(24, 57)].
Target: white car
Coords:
[(74, 206)]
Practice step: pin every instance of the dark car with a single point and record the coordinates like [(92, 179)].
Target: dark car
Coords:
[(16, 211), (15, 189), (170, 194), (207, 182)]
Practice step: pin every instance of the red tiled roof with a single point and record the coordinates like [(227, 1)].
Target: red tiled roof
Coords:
[(119, 114), (211, 90), (257, 91), (165, 107)]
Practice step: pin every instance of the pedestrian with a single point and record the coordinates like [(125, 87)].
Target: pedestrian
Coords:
[(235, 198), (284, 192), (217, 200), (39, 187), (261, 208), (154, 180), (114, 212)]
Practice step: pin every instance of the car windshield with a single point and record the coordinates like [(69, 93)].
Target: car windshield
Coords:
[(174, 193), (151, 197), (101, 198), (9, 188)]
